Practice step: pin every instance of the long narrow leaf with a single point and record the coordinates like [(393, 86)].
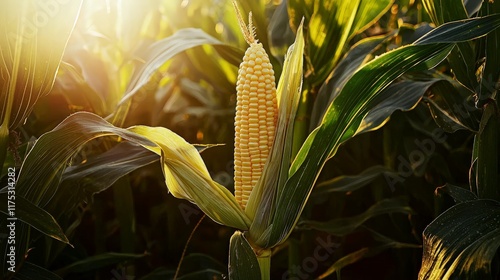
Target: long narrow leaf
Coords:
[(96, 262), (344, 226), (161, 52), (32, 271), (462, 242), (462, 58), (34, 216), (356, 56), (348, 109), (330, 27), (56, 147), (32, 42)]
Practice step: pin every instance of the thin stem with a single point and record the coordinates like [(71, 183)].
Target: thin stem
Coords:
[(185, 247), (264, 260)]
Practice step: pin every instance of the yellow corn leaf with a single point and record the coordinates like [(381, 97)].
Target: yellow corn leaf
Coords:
[(187, 177)]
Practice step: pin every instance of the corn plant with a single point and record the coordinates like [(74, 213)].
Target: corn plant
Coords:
[(278, 154), (472, 225)]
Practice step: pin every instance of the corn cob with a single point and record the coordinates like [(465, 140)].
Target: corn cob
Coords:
[(256, 115)]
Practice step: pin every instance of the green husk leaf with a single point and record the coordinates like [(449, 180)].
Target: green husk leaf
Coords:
[(243, 263), (262, 199)]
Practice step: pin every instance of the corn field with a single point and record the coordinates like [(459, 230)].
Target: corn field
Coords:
[(249, 139)]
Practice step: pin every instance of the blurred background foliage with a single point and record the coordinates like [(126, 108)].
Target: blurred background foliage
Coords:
[(373, 199)]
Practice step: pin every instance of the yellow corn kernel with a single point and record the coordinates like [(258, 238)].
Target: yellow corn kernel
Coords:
[(256, 115)]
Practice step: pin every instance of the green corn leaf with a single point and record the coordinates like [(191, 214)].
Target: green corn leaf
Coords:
[(351, 183), (344, 116), (97, 261), (442, 11), (280, 34), (56, 147), (33, 38), (344, 226), (297, 10), (472, 6), (459, 194), (40, 174), (356, 56), (450, 107), (462, 242), (160, 53), (330, 27), (460, 30), (32, 271), (348, 109), (489, 72), (366, 252), (368, 13), (243, 264), (100, 172), (486, 145), (34, 216), (348, 259), (462, 58), (403, 95), (80, 182)]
